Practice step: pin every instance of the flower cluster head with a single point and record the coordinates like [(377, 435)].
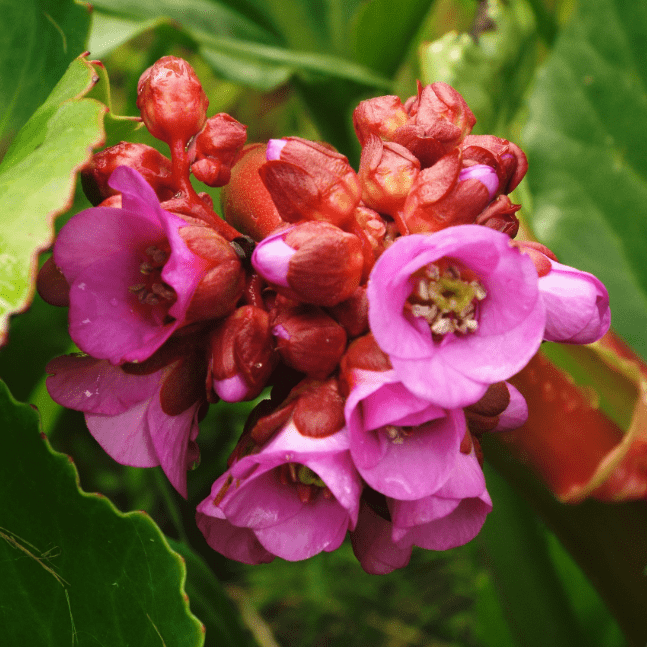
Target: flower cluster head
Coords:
[(385, 307)]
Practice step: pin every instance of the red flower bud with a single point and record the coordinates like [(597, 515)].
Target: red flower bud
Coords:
[(247, 205), (439, 119), (444, 195), (380, 116), (221, 288), (316, 408), (308, 340), (242, 355), (387, 172), (378, 231), (172, 102), (505, 157), (52, 285), (310, 181), (216, 148), (155, 168), (352, 314), (363, 354), (313, 262), (499, 215), (484, 415)]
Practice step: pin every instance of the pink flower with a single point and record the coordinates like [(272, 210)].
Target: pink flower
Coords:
[(124, 413), (403, 446), (131, 275), (455, 311), (450, 517), (294, 498)]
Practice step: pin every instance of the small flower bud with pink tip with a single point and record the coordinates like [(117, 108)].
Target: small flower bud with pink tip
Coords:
[(310, 181), (150, 163), (313, 262), (172, 102), (216, 148), (242, 355), (448, 194)]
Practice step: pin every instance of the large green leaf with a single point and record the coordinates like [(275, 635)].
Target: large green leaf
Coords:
[(39, 39), (76, 571), (586, 140), (37, 178)]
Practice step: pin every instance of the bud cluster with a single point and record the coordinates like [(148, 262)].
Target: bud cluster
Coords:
[(385, 309)]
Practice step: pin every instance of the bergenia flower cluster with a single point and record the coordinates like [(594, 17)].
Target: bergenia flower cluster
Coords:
[(385, 309)]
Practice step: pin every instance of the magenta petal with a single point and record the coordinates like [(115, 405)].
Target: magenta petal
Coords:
[(271, 258), (319, 525), (456, 529), (171, 436), (373, 546), (417, 464), (261, 501), (125, 436), (184, 270), (105, 320), (95, 386), (439, 382), (101, 232), (577, 305), (515, 414), (485, 174), (231, 389), (231, 541)]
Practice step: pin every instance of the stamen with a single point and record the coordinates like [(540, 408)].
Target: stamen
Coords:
[(445, 300)]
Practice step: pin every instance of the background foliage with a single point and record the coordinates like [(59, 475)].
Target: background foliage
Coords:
[(565, 80)]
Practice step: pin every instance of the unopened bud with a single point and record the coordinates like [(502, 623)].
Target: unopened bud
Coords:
[(247, 205), (242, 355), (508, 160), (224, 282), (500, 215), (52, 286), (309, 340), (446, 194), (352, 313), (172, 102), (439, 119), (314, 262), (310, 181), (150, 163), (215, 149), (380, 116), (387, 172)]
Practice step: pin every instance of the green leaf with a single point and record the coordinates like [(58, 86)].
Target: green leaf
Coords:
[(222, 621), (586, 140), (39, 40), (37, 178), (491, 72), (76, 571), (385, 30), (607, 541)]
